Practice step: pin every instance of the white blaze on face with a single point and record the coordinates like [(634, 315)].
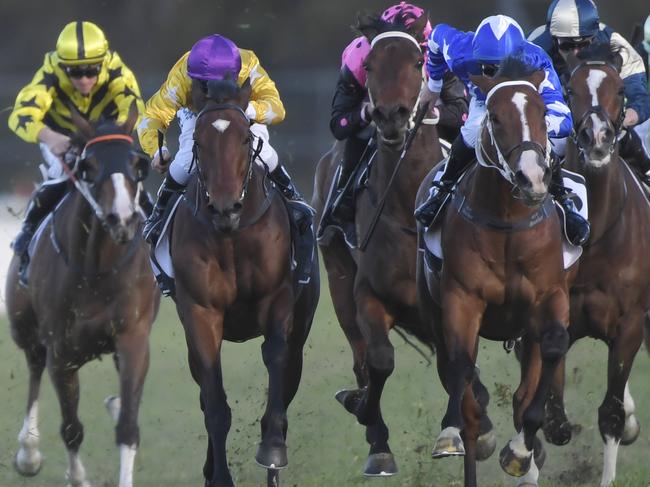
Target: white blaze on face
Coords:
[(122, 204), (529, 159), (221, 125), (520, 100), (594, 80)]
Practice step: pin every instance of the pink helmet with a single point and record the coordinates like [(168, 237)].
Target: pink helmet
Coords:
[(409, 14)]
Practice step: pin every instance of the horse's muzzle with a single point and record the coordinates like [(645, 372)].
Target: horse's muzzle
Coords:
[(122, 233), (225, 220)]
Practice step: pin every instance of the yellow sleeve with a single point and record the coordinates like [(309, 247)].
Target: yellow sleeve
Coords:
[(33, 102), (161, 108), (265, 104), (124, 88)]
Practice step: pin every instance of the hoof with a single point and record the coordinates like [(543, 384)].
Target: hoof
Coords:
[(28, 467), (380, 465), (631, 430), (448, 444), (514, 464), (272, 478), (272, 457), (558, 432), (539, 452), (485, 445), (350, 399), (113, 405)]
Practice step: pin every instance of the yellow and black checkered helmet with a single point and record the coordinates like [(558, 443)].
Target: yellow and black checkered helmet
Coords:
[(81, 43)]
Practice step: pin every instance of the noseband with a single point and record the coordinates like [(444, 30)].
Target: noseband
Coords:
[(599, 111), (501, 164), (252, 153)]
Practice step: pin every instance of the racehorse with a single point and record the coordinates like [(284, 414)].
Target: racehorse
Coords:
[(611, 293), (502, 275), (90, 292), (370, 297), (231, 254)]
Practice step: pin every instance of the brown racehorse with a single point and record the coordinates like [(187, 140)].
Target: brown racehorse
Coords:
[(502, 274), (231, 252), (611, 293), (374, 290), (90, 292)]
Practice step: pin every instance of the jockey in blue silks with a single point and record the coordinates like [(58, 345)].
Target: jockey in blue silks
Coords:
[(481, 52)]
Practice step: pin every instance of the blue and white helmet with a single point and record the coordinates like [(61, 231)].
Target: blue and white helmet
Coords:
[(495, 38), (572, 18)]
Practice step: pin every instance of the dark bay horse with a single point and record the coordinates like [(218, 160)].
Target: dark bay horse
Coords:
[(374, 290), (231, 253), (611, 293), (90, 292), (502, 274)]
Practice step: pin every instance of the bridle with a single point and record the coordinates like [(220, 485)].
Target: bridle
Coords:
[(598, 110), (501, 164), (253, 152)]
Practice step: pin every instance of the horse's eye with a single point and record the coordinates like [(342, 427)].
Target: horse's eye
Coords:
[(494, 119), (569, 92), (366, 66), (247, 140), (419, 64)]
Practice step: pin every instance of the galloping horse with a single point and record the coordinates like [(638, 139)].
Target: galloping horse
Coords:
[(611, 293), (231, 253), (502, 274), (372, 296), (90, 292)]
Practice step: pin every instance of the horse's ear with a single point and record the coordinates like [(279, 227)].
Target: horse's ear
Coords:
[(132, 118), (537, 77), (484, 83), (84, 127), (368, 24), (244, 95), (416, 29)]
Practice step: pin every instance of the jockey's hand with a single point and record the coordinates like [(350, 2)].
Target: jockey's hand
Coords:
[(56, 142), (161, 165), (429, 96), (631, 117), (365, 112)]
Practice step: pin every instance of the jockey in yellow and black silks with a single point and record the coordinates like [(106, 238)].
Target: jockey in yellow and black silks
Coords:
[(82, 72)]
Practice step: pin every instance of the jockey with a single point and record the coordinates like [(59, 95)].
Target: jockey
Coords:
[(212, 58), (572, 25), (643, 47), (467, 53), (350, 120), (81, 72)]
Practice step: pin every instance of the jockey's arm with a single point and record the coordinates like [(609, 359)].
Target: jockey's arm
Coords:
[(348, 117), (265, 105), (32, 103), (161, 108), (634, 78), (436, 64), (559, 122), (123, 88), (453, 106)]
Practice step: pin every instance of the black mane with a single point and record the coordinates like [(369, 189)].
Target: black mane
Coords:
[(222, 91), (373, 22), (516, 66)]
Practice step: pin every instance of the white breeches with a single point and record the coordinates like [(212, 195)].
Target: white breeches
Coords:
[(180, 168), (53, 168)]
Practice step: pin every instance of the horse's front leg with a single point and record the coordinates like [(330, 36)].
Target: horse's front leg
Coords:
[(132, 351), (557, 428), (517, 456), (204, 335), (272, 450), (375, 322), (616, 419)]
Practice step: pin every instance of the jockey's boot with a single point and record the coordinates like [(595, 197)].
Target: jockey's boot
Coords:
[(302, 212), (577, 228), (631, 149), (153, 224), (42, 202), (459, 158), (146, 202)]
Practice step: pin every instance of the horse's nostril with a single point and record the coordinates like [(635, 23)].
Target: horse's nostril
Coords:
[(112, 219), (522, 180), (237, 206), (585, 137)]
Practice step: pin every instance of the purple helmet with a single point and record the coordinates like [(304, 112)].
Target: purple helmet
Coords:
[(214, 58)]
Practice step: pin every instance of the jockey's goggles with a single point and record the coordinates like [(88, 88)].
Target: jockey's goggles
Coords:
[(87, 71), (578, 43), (489, 69)]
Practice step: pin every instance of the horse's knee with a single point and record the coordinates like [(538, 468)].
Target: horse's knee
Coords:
[(127, 433), (381, 359), (555, 343), (275, 351), (72, 434)]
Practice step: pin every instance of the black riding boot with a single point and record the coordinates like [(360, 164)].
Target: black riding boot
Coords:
[(42, 202), (283, 181), (577, 228), (459, 158), (153, 225), (631, 149)]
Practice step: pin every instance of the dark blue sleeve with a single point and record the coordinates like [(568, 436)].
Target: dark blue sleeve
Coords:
[(637, 96)]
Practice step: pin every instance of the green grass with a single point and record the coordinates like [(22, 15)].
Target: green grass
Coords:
[(326, 445)]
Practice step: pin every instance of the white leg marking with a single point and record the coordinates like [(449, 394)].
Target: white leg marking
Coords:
[(518, 446), (122, 203), (76, 473), (28, 458), (628, 401), (127, 460), (609, 461), (113, 405), (531, 478)]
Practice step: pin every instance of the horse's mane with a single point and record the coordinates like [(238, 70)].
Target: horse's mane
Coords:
[(367, 21), (223, 90), (516, 66), (601, 51)]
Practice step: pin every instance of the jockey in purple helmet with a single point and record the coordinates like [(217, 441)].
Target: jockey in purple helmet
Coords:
[(481, 52), (351, 121), (572, 25), (213, 58)]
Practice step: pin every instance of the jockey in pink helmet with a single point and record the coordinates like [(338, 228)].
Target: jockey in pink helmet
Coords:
[(351, 121)]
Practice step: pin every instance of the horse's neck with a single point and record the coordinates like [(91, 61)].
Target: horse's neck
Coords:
[(423, 154), (84, 242)]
